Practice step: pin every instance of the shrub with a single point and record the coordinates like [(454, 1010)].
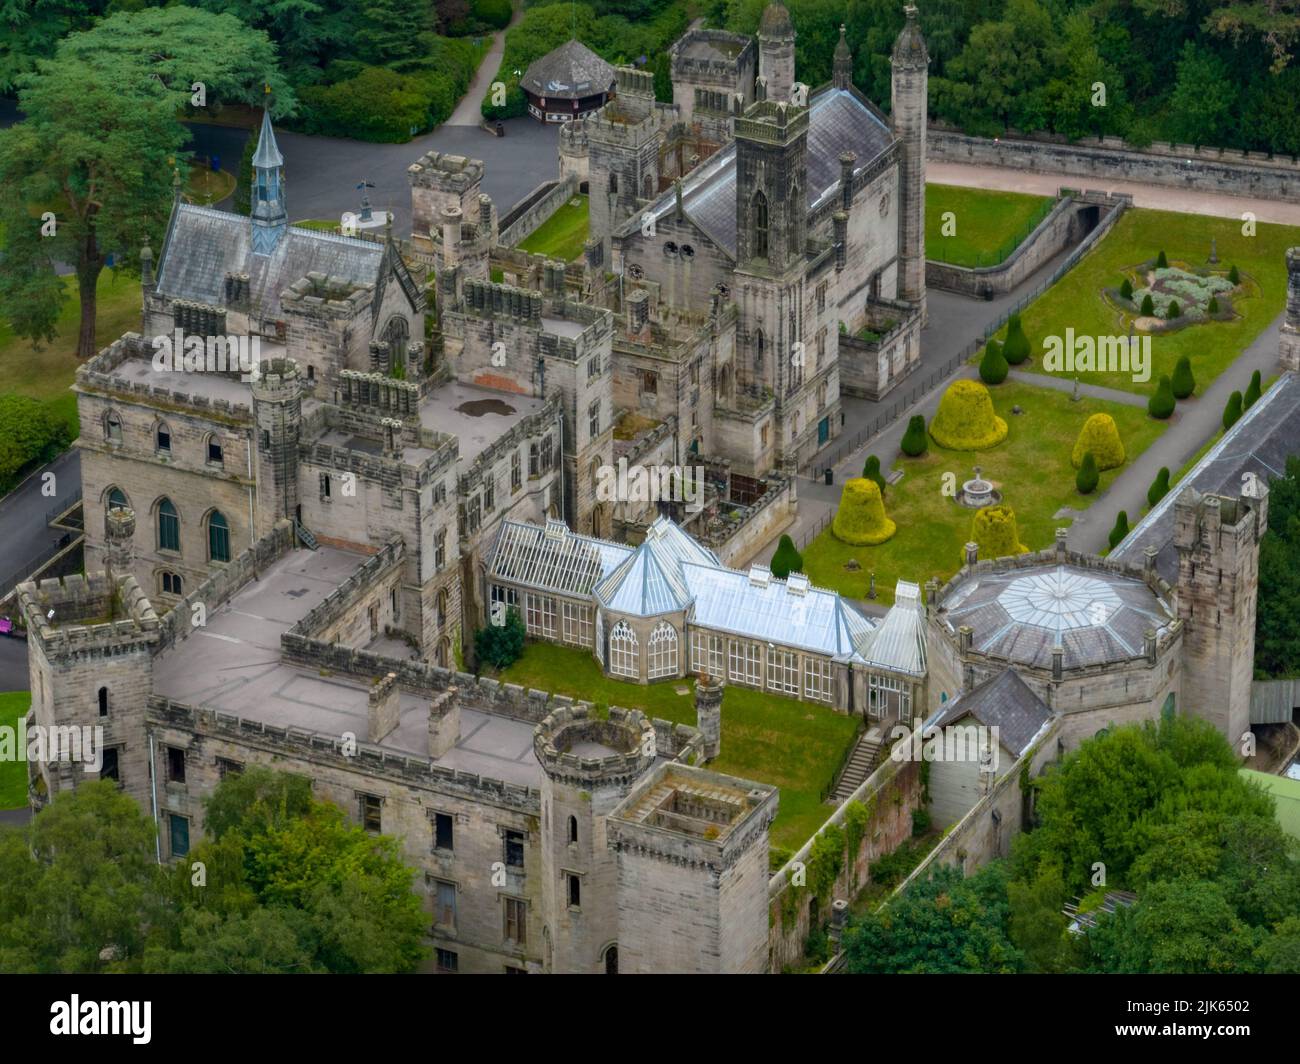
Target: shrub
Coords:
[(1213, 306), (914, 439), (1016, 348), (243, 203), (1126, 289), (994, 529), (1120, 530), (501, 645), (920, 822), (1162, 263), (1232, 411), (993, 367), (1161, 404), (1100, 437), (1173, 310), (376, 105), (1087, 479), (861, 519), (1159, 487), (495, 13), (965, 420), (787, 559), (1183, 382), (871, 470), (1234, 275), (1148, 307), (1252, 392), (29, 435)]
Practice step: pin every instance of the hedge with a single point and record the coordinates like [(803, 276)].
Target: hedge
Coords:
[(965, 420)]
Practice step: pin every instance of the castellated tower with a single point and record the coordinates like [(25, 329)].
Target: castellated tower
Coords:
[(771, 180), (589, 765), (1289, 344), (623, 140), (1218, 563), (692, 849), (909, 114), (776, 54), (277, 410), (90, 647)]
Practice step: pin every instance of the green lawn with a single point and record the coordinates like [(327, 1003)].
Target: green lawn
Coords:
[(1077, 301), (1031, 468), (989, 225), (13, 774), (563, 234), (320, 225), (795, 745)]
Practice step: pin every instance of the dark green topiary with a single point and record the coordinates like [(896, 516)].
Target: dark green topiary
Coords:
[(1087, 478), (1183, 381), (501, 645), (787, 559), (1252, 392), (1016, 348), (1120, 530), (1159, 487), (1232, 411), (993, 366), (1212, 307), (1148, 306), (1162, 262), (1126, 289), (871, 470), (1161, 404), (1173, 310), (915, 439), (1234, 275)]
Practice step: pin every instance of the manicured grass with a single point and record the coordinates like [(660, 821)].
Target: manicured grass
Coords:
[(322, 225), (989, 225), (206, 186), (1031, 468), (13, 774), (1077, 300), (795, 745), (563, 234)]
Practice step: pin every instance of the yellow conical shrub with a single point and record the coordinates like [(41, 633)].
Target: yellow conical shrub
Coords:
[(861, 519), (994, 529), (965, 420), (1099, 435)]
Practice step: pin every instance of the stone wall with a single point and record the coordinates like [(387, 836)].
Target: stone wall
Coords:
[(1205, 169), (871, 369), (774, 512), (344, 615), (535, 209)]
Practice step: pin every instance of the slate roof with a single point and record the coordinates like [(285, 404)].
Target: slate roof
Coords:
[(569, 72), (1004, 702), (838, 122), (1258, 443), (204, 244), (267, 154), (1021, 614)]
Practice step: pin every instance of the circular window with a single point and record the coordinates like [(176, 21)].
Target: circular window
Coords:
[(688, 252), (723, 290), (635, 272), (670, 248)]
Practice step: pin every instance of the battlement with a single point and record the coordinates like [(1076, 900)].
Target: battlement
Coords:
[(379, 392), (445, 172), (577, 745), (770, 122), (1199, 519), (711, 54), (88, 613), (488, 299), (364, 577), (620, 126), (573, 137), (632, 81), (520, 432)]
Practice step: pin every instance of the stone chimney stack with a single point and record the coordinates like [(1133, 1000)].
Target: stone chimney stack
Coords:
[(444, 723), (972, 553), (451, 219), (383, 708), (708, 713), (1062, 543)]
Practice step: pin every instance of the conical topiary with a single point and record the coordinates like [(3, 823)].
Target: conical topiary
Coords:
[(1212, 307), (871, 470), (1252, 392), (1173, 310), (1161, 404), (994, 529), (915, 440), (1120, 530), (1162, 262), (1232, 411), (1100, 436), (1183, 382), (1088, 477), (1126, 289), (1234, 275), (1148, 306), (786, 559), (1159, 487), (861, 519), (993, 367), (1016, 348), (965, 420)]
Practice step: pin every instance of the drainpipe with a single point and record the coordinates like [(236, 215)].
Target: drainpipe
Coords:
[(153, 795)]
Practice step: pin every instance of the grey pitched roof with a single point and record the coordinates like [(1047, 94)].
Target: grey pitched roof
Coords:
[(838, 122), (571, 71), (203, 245), (1020, 614), (1004, 702), (1260, 443), (268, 152)]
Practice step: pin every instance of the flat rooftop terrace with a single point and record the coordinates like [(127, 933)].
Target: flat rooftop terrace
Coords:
[(233, 665), (212, 385), (478, 417), (562, 326)]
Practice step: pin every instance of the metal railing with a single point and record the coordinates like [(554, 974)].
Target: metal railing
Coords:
[(36, 563), (59, 509)]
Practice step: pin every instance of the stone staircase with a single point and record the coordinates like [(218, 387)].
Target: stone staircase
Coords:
[(861, 763)]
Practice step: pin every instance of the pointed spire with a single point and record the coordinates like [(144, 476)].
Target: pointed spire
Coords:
[(268, 152), (269, 219), (843, 66)]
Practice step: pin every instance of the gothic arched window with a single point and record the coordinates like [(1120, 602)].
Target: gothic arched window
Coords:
[(169, 526), (622, 650), (218, 537), (759, 216), (760, 348), (663, 651), (397, 334)]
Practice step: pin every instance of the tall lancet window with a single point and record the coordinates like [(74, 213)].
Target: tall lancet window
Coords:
[(759, 214)]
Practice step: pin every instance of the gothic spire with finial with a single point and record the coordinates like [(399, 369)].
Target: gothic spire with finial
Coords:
[(269, 219), (843, 66)]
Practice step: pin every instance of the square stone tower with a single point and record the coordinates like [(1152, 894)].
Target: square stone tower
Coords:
[(1218, 565), (692, 850)]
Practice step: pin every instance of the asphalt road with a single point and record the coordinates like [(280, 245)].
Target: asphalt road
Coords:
[(24, 533)]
